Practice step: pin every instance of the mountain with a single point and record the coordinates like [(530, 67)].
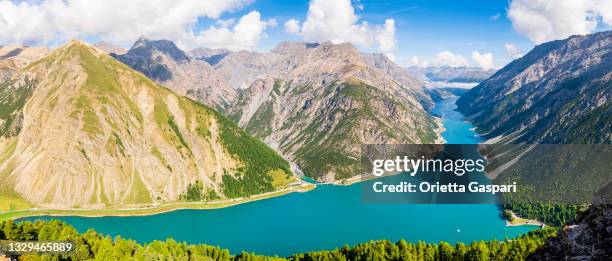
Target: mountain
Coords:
[(13, 57), (22, 55), (462, 74), (95, 133), (110, 48), (242, 68), (399, 74), (166, 64), (211, 56), (317, 103), (560, 92)]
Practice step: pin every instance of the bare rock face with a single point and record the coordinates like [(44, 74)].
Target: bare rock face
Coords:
[(94, 133), (242, 68), (588, 238), (560, 92), (166, 64), (399, 74), (317, 103)]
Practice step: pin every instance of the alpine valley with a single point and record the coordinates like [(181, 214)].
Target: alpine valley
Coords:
[(100, 127)]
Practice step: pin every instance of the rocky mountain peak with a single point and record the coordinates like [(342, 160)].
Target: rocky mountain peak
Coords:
[(164, 62), (293, 47), (211, 56), (146, 47)]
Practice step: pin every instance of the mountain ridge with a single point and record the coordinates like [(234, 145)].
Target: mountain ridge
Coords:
[(557, 93)]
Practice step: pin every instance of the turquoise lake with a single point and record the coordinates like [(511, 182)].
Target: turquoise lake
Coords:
[(324, 218)]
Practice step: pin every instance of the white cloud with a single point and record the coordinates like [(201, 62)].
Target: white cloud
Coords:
[(292, 26), (390, 56), (484, 61), (416, 61), (336, 21), (243, 36), (226, 22), (447, 58), (545, 20), (272, 22), (495, 17), (117, 21), (386, 37), (513, 51)]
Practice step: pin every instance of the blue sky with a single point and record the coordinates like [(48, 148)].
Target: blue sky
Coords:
[(485, 33)]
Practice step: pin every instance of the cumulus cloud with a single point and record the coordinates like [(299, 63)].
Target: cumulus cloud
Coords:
[(513, 51), (244, 35), (545, 20), (390, 56), (447, 58), (225, 22), (336, 21), (386, 37), (484, 60), (272, 22), (292, 26), (416, 61), (118, 21)]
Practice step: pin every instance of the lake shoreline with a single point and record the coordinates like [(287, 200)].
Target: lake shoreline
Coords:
[(519, 221), (150, 210)]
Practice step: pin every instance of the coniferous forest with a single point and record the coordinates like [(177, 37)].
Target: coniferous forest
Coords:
[(94, 246)]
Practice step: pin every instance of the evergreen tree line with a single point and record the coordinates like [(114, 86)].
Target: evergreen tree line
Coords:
[(94, 246), (551, 214), (258, 159)]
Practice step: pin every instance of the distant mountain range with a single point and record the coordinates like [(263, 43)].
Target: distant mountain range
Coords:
[(452, 75), (87, 131), (560, 92)]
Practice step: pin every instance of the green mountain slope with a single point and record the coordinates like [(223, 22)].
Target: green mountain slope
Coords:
[(96, 133)]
